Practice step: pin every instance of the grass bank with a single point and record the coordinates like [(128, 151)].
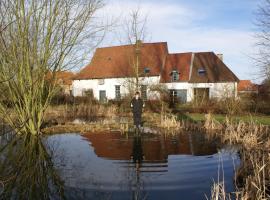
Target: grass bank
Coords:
[(258, 119)]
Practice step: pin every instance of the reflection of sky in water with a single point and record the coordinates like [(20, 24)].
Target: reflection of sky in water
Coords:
[(182, 176)]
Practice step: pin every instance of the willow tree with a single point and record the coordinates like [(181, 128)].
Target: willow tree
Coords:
[(37, 38)]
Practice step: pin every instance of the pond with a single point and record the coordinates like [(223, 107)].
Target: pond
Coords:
[(111, 165)]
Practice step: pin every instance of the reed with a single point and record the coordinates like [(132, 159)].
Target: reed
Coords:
[(169, 121), (211, 124)]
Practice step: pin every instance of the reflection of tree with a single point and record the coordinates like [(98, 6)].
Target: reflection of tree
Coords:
[(27, 171), (137, 157)]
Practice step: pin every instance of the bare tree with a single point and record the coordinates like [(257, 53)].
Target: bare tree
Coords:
[(263, 37), (37, 38), (134, 29)]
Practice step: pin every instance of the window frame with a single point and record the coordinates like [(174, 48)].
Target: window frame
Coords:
[(117, 92), (175, 76), (144, 92)]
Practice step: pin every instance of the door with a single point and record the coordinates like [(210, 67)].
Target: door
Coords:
[(102, 96), (201, 95), (182, 96), (178, 96)]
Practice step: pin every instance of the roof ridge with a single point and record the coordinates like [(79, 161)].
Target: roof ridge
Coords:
[(179, 53), (125, 45)]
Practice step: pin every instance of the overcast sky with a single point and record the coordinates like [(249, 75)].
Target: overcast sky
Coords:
[(222, 26)]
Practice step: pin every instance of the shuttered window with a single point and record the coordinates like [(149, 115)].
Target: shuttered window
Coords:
[(144, 92), (117, 92)]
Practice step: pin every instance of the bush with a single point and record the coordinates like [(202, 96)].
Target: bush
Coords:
[(228, 106), (62, 99), (157, 106)]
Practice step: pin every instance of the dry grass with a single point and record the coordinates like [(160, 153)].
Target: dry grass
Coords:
[(218, 192), (211, 123), (169, 121), (86, 111)]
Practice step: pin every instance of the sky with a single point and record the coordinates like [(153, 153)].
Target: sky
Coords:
[(222, 26)]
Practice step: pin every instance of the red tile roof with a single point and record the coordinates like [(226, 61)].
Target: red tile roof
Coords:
[(179, 62), (65, 76), (118, 61), (114, 145), (62, 77), (215, 69), (246, 85)]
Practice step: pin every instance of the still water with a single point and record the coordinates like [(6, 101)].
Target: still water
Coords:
[(111, 165)]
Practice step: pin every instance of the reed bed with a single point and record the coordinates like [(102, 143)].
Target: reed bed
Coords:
[(253, 176), (169, 122), (85, 111)]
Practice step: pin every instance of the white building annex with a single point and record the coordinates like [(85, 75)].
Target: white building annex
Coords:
[(188, 76)]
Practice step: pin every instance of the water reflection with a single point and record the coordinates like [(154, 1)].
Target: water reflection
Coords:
[(26, 169), (148, 153), (117, 146), (111, 165)]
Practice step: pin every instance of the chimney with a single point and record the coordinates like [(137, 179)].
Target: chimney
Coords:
[(220, 56)]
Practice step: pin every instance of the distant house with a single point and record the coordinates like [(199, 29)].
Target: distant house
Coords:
[(247, 87), (64, 80), (188, 76)]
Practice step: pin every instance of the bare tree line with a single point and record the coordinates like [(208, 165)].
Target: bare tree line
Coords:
[(263, 38)]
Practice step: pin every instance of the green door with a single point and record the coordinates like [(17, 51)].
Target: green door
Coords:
[(182, 95), (178, 96), (102, 96)]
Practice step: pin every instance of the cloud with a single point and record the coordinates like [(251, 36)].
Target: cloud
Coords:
[(187, 29)]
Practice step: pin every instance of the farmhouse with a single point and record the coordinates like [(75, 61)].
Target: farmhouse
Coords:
[(247, 87), (188, 76)]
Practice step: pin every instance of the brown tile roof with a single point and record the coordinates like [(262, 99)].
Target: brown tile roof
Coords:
[(62, 77), (246, 85), (215, 69), (179, 62), (117, 61)]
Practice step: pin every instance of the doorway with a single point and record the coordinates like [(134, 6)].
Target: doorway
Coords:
[(102, 96), (201, 95)]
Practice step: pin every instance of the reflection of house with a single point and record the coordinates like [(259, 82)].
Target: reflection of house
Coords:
[(156, 148), (187, 75), (247, 87)]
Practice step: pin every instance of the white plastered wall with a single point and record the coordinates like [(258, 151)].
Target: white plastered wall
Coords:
[(79, 86)]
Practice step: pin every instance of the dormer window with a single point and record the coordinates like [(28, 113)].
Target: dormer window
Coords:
[(175, 75), (146, 70), (201, 71)]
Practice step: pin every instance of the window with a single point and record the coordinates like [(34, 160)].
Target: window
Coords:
[(201, 71), (101, 81), (175, 75), (144, 92), (146, 70), (117, 92), (87, 93)]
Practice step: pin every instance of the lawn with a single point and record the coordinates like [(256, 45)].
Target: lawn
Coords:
[(260, 119)]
